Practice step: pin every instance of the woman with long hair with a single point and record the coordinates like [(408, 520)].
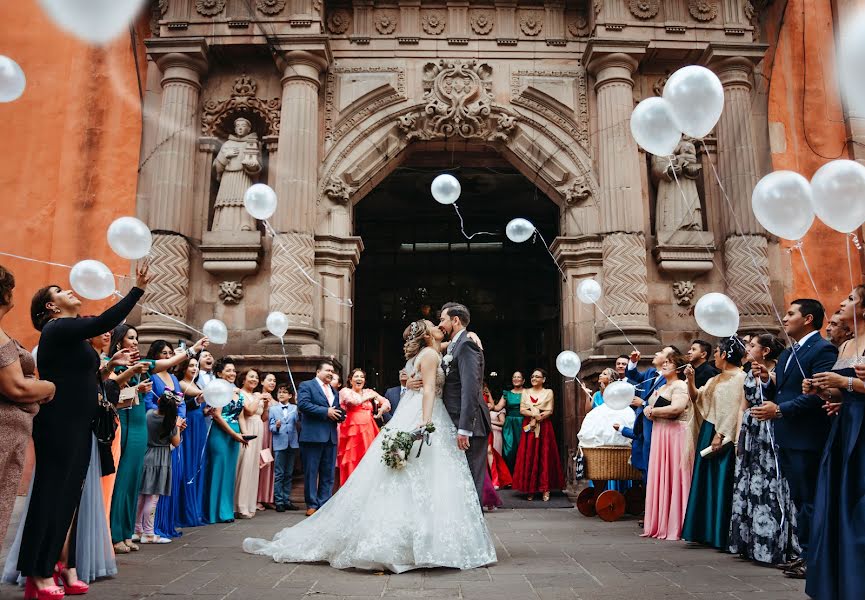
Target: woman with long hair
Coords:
[(246, 487), (194, 441), (358, 430), (265, 476), (512, 430)]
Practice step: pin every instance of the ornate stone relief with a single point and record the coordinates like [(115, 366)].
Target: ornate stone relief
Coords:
[(270, 7), (598, 5), (231, 292), (459, 102), (337, 190), (531, 23), (338, 21), (577, 190), (209, 8), (683, 292), (162, 5), (482, 22), (578, 27), (703, 10), (385, 21), (335, 130), (243, 99), (168, 291), (433, 22), (557, 115), (658, 87), (644, 9)]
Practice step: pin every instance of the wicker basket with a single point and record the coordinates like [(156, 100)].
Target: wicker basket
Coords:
[(609, 462)]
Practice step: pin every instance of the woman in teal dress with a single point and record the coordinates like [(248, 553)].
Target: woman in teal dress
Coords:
[(716, 417), (222, 451), (512, 430)]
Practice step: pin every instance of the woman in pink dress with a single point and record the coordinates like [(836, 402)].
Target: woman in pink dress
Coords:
[(358, 430), (265, 474), (670, 468)]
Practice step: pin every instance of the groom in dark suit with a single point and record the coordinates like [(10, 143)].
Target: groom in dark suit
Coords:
[(463, 364), (318, 404), (800, 424)]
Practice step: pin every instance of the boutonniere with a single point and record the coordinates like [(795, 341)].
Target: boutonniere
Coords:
[(446, 362)]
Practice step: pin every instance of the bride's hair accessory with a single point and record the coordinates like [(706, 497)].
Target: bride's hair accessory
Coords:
[(413, 336)]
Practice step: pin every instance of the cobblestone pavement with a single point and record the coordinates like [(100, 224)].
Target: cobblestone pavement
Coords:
[(547, 554)]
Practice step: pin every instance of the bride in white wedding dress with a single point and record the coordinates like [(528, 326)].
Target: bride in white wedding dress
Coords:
[(426, 514)]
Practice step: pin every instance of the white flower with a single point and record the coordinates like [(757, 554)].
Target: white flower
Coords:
[(447, 358)]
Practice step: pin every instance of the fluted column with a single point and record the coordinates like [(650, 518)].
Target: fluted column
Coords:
[(171, 204), (746, 248), (625, 272), (293, 261)]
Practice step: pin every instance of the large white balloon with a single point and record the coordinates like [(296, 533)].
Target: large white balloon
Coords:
[(218, 393), (717, 315), (851, 58), (216, 331), (130, 238), (92, 280), (277, 323), (260, 201), (783, 204), (446, 189), (838, 189), (568, 363), (619, 394), (589, 291), (93, 21), (519, 230), (12, 80), (654, 128), (697, 98)]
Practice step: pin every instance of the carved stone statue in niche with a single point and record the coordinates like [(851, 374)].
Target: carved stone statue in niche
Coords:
[(678, 210), (237, 166)]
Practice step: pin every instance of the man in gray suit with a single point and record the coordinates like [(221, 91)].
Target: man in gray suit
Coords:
[(463, 364)]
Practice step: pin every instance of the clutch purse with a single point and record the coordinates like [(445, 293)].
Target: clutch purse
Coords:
[(265, 457), (661, 402)]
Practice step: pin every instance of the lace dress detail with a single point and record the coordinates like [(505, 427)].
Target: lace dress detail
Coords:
[(434, 516)]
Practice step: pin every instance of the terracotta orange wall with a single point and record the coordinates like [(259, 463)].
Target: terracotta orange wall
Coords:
[(72, 148), (809, 73)]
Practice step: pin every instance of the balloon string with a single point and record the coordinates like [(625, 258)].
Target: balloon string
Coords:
[(203, 448), (798, 247), (616, 326), (555, 262), (852, 286), (463, 226), (163, 315), (287, 368), (47, 262)]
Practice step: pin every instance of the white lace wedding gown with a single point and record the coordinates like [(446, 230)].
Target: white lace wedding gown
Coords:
[(426, 514)]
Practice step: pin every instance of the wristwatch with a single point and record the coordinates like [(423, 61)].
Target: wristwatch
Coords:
[(849, 384), (778, 413)]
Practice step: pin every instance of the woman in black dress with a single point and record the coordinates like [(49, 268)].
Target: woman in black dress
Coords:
[(62, 429)]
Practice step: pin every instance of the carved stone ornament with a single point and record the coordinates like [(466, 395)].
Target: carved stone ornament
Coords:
[(750, 12), (163, 6), (575, 28), (482, 22), (683, 292), (242, 100), (458, 102), (337, 190), (644, 9), (209, 8), (270, 7), (231, 292), (598, 5), (434, 22), (531, 23), (577, 191), (338, 21), (658, 87), (703, 10), (385, 22)]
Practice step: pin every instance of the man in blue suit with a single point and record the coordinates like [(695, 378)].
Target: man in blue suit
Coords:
[(394, 395), (284, 425), (318, 404), (800, 424)]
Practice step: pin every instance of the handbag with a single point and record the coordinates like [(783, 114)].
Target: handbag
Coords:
[(265, 457), (104, 427), (580, 465)]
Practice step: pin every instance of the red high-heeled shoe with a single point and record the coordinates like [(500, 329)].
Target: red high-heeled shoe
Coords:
[(31, 592), (79, 588)]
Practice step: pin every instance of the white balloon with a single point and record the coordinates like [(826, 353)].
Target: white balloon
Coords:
[(654, 128), (216, 331), (260, 201), (92, 280), (618, 395), (446, 189), (697, 98), (93, 21), (589, 291), (130, 238), (838, 189), (851, 58), (35, 352), (277, 323), (717, 315), (519, 230), (218, 393), (783, 204), (12, 80), (568, 363)]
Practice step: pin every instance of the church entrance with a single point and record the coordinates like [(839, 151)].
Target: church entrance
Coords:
[(415, 259)]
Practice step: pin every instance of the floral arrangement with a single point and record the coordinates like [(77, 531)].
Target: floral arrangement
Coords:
[(396, 445)]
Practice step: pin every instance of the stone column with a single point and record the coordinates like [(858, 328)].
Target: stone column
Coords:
[(746, 256), (335, 261), (173, 178), (625, 275), (296, 185)]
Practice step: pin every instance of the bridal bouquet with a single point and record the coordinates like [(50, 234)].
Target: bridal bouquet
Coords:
[(396, 445)]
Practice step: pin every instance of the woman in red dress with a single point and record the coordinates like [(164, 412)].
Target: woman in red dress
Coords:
[(358, 430), (538, 467)]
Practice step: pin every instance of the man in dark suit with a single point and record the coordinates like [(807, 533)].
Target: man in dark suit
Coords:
[(463, 390), (700, 357), (318, 404), (800, 424), (394, 395)]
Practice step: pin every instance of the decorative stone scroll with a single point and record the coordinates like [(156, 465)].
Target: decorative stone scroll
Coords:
[(703, 10), (231, 292), (242, 100), (683, 291), (644, 9), (337, 190)]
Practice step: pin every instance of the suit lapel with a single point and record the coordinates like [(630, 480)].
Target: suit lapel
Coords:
[(802, 353)]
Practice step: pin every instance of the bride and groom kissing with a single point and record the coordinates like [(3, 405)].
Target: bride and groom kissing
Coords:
[(433, 502)]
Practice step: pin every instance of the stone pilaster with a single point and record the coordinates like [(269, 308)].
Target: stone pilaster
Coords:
[(335, 261)]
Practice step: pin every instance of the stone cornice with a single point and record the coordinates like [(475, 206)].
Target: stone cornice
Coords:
[(600, 54), (178, 52)]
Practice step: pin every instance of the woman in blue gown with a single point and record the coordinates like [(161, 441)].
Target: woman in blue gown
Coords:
[(834, 564), (195, 446)]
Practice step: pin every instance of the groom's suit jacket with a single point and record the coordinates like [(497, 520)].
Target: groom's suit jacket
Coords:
[(313, 405), (463, 390)]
